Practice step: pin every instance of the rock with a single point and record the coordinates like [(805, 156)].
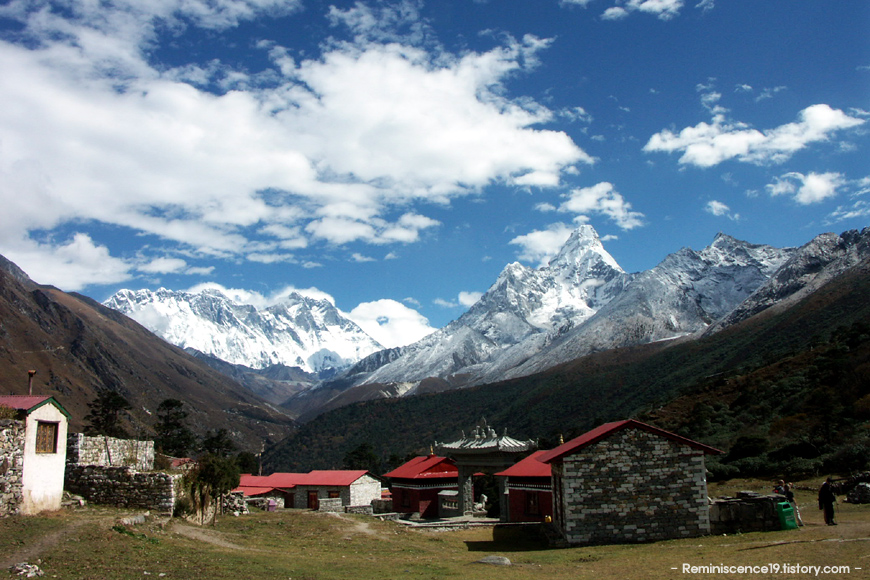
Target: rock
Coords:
[(861, 494), (494, 560), (26, 570)]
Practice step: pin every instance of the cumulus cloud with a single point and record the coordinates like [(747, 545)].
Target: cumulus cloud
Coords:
[(807, 189), (347, 145), (469, 298), (662, 9), (602, 199), (708, 144), (540, 246), (71, 265), (391, 323)]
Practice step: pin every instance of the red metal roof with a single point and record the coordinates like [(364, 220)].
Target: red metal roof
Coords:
[(425, 467), (603, 431), (531, 466), (251, 491), (332, 477), (30, 402)]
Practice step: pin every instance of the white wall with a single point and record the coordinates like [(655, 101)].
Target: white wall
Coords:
[(42, 477)]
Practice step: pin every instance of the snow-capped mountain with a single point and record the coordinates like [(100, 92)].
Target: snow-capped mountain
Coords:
[(581, 302), (299, 332), (683, 295), (523, 306)]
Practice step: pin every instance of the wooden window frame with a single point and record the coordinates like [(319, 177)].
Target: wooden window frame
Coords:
[(46, 437)]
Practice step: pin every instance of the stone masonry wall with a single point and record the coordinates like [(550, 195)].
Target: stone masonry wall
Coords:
[(110, 452), (11, 465), (634, 486), (124, 487)]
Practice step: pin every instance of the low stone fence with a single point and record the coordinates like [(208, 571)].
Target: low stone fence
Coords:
[(332, 504), (382, 506), (748, 512), (124, 487), (11, 466), (365, 510), (109, 452)]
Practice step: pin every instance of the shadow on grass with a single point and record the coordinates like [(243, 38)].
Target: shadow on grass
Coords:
[(512, 539)]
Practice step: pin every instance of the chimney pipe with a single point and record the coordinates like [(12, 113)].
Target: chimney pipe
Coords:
[(30, 382)]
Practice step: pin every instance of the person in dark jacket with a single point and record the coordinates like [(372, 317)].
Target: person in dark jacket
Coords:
[(827, 499)]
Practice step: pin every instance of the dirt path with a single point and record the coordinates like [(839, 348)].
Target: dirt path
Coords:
[(207, 536), (31, 552), (359, 526)]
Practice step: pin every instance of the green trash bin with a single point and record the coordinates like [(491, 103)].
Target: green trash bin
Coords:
[(786, 516)]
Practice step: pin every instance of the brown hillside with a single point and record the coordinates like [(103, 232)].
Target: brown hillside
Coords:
[(79, 348)]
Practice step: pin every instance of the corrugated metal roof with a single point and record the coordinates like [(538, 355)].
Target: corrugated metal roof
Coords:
[(425, 467), (332, 477), (30, 403), (282, 481), (531, 466), (607, 429)]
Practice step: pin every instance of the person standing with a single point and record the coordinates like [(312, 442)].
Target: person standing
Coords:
[(827, 499), (789, 497)]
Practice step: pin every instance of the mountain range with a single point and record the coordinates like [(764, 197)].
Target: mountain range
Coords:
[(529, 320)]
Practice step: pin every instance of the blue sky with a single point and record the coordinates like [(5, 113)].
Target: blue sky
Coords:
[(394, 156)]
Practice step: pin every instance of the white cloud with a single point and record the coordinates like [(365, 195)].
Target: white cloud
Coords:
[(164, 266), (341, 147), (708, 144), (71, 265), (360, 258), (663, 9), (541, 246), (719, 209), (807, 189), (469, 298), (391, 323), (614, 13), (603, 199)]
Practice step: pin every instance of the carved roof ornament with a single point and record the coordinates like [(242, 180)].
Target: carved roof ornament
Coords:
[(485, 439)]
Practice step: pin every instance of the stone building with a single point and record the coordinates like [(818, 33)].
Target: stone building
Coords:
[(305, 490), (32, 458), (415, 485), (627, 481)]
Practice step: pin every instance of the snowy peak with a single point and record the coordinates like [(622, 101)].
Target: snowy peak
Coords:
[(583, 256), (299, 332)]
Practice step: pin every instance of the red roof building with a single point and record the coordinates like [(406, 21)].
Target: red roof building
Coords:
[(627, 481), (416, 484), (530, 492), (33, 454), (305, 490)]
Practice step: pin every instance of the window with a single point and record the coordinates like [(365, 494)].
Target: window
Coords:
[(46, 437), (334, 494)]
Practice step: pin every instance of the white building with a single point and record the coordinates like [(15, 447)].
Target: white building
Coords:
[(40, 458)]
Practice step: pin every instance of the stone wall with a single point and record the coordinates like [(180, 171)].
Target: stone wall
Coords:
[(330, 504), (110, 452), (633, 486), (11, 465), (366, 510), (124, 487), (364, 490)]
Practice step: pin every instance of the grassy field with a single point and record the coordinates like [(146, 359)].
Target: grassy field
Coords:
[(303, 545)]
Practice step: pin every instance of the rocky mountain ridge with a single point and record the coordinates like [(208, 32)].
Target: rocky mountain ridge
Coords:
[(298, 332)]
